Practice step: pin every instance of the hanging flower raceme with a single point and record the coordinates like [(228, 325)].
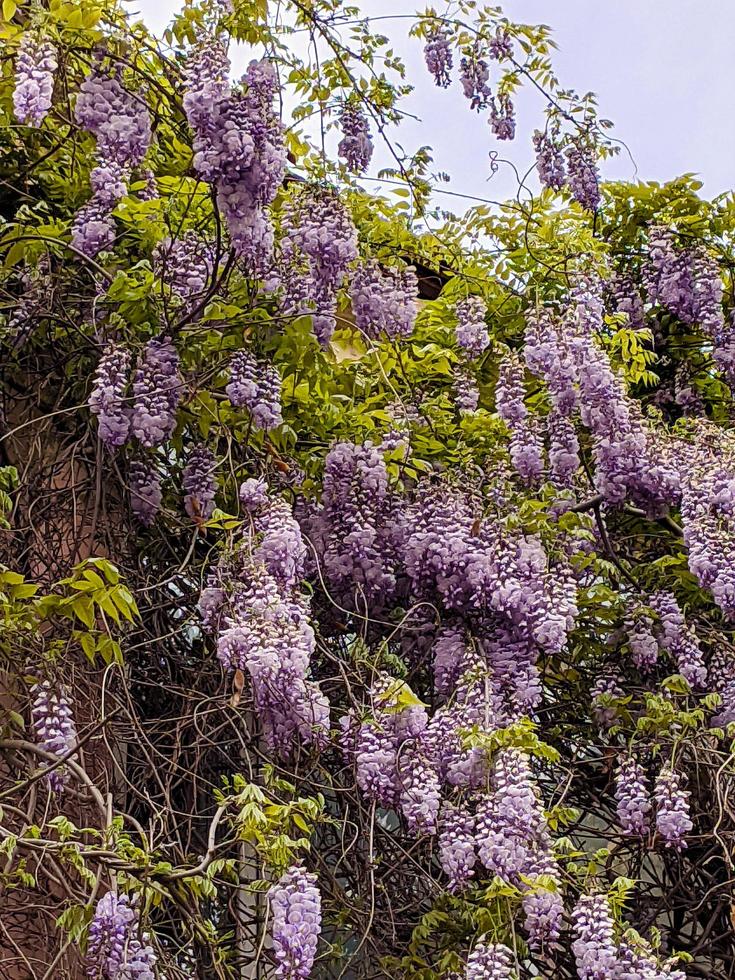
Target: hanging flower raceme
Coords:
[(549, 161), (117, 949), (356, 145), (144, 482), (474, 76), (321, 234), (471, 331), (564, 459), (296, 906), (54, 728), (642, 641), (490, 961), (438, 56), (543, 905), (238, 147), (686, 279), (466, 392), (673, 821), (583, 177), (256, 385), (511, 829), (503, 118), (200, 484), (107, 399), (35, 66), (261, 619), (121, 124), (526, 448), (185, 265), (594, 948), (678, 639), (157, 390), (384, 300), (457, 846), (633, 798)]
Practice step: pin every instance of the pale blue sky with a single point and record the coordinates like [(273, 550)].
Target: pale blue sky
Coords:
[(663, 70)]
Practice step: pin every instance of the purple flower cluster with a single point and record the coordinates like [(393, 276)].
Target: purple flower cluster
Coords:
[(256, 386), (673, 821), (320, 243), (384, 300), (594, 948), (639, 963), (490, 961), (438, 56), (474, 76), (107, 399), (549, 161), (687, 281), (502, 117), (605, 690), (120, 122), (356, 145), (543, 905), (471, 332), (466, 392), (583, 177), (642, 641), (144, 483), (185, 265), (200, 484), (678, 639), (297, 920), (117, 118), (563, 449), (526, 449), (238, 146), (347, 529), (35, 66), (253, 603), (157, 390), (501, 46), (511, 829), (457, 847), (633, 798), (117, 950), (54, 728), (708, 513)]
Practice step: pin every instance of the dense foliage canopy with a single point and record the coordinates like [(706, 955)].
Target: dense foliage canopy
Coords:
[(368, 570)]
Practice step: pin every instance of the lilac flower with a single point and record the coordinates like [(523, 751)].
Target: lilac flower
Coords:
[(144, 483), (471, 331), (490, 961), (678, 639), (157, 391), (200, 483), (633, 798), (117, 950), (54, 728), (356, 145), (384, 300), (296, 906), (35, 66), (673, 822), (107, 398), (256, 386), (594, 946), (474, 75), (438, 56), (457, 848), (549, 161), (583, 176)]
